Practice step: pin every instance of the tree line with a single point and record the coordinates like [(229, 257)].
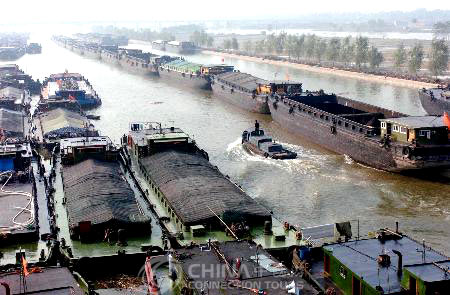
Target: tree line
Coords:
[(348, 51)]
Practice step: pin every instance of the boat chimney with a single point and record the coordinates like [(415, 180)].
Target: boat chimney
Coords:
[(396, 226), (268, 227), (400, 262), (256, 126)]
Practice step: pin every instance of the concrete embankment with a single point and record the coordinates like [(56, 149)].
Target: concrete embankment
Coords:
[(324, 70)]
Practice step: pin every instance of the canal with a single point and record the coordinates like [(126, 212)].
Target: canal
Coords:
[(316, 188)]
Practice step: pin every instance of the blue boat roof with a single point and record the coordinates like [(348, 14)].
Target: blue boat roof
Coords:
[(430, 272), (361, 258)]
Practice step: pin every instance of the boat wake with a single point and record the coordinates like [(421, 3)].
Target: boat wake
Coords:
[(305, 163)]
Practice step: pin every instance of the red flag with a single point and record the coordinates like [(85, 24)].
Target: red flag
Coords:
[(446, 120), (25, 266), (223, 60), (71, 97)]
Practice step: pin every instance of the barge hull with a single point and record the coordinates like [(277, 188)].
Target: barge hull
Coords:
[(186, 80), (435, 107), (258, 104), (362, 149)]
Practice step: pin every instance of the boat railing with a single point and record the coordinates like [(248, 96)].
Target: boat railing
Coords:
[(336, 120)]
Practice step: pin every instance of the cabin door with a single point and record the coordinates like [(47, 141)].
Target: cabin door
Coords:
[(388, 128), (326, 263), (412, 286), (356, 286)]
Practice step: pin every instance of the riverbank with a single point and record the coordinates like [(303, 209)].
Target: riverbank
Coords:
[(325, 70)]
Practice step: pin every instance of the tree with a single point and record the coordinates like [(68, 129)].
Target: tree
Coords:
[(310, 45), (442, 30), (321, 48), (333, 50), (399, 57), (361, 50), (248, 46), (438, 57), (260, 46), (234, 43), (290, 45), (270, 43), (227, 44), (299, 46), (347, 50), (280, 42), (210, 41), (415, 58), (375, 57)]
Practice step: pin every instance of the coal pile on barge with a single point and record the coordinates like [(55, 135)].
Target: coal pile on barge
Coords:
[(98, 198)]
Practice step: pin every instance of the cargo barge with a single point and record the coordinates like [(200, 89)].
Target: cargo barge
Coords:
[(70, 87), (34, 48), (137, 61), (11, 52), (192, 197), (370, 135), (159, 45), (435, 101), (249, 92), (191, 74), (180, 47), (91, 174)]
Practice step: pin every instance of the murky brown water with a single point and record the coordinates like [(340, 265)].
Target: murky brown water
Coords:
[(318, 187)]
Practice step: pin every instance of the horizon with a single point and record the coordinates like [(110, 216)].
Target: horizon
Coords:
[(136, 11)]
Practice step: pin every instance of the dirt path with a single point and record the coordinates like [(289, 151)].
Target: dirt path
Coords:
[(342, 73)]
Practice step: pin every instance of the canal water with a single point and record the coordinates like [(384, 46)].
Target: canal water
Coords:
[(316, 188)]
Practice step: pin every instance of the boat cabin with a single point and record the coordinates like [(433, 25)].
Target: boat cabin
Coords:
[(416, 129), (74, 150), (392, 263), (148, 138), (279, 87)]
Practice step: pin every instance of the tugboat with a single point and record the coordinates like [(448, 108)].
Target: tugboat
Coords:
[(261, 144)]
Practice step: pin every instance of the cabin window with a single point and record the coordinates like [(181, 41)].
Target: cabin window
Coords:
[(339, 123), (321, 116), (396, 128), (425, 133), (353, 127), (326, 118), (343, 272), (346, 124), (383, 125), (360, 130), (403, 130), (315, 114)]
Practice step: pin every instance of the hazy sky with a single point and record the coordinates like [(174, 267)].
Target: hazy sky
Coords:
[(37, 11)]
